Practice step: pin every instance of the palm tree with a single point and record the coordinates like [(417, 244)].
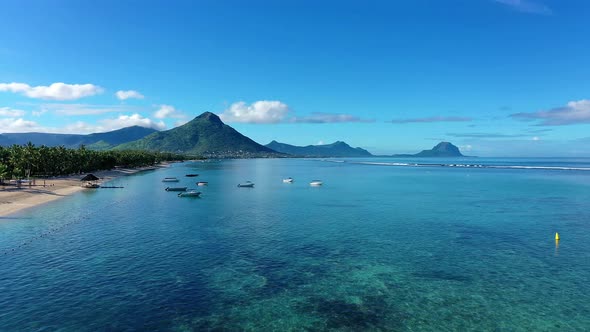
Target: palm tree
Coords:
[(30, 156), (3, 173)]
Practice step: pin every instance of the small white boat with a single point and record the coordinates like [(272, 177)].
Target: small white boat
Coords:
[(248, 184), (202, 183), (175, 189), (170, 180), (316, 183), (288, 180), (190, 193)]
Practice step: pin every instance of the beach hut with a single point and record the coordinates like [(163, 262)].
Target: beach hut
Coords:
[(90, 181)]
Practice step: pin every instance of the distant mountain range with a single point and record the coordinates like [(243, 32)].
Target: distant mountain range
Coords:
[(97, 141), (442, 149), (206, 135), (336, 149)]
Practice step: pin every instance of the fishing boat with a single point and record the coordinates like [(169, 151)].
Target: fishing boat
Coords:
[(190, 193), (288, 180), (175, 189), (202, 183), (170, 180), (191, 175), (316, 183), (247, 184)]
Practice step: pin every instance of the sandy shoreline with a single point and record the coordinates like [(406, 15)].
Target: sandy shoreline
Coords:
[(13, 199)]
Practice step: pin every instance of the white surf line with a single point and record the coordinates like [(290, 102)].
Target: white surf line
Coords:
[(549, 168)]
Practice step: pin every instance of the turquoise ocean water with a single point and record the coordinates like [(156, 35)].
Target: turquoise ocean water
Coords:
[(395, 246)]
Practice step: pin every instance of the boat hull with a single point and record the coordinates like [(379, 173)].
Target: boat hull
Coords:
[(175, 189), (190, 194)]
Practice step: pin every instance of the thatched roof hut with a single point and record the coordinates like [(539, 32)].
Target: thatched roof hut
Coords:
[(89, 177)]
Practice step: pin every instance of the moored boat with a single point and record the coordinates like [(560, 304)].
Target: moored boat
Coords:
[(288, 180), (190, 193), (170, 180), (175, 189), (202, 183), (316, 183), (247, 184), (191, 175)]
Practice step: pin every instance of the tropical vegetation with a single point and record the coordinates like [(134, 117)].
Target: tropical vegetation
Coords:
[(24, 161)]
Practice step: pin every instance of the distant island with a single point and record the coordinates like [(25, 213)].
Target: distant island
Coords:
[(442, 149), (336, 149)]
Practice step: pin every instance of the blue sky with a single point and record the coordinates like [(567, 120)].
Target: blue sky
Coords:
[(495, 77)]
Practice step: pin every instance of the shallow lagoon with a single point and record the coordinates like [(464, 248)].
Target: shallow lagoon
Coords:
[(375, 248)]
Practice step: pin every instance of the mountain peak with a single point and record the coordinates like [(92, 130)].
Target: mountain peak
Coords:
[(209, 117), (442, 149), (339, 143), (447, 147), (205, 135)]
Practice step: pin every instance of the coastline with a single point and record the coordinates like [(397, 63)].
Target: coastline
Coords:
[(13, 200)]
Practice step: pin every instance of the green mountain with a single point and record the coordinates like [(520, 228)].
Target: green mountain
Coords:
[(336, 149), (442, 149), (92, 141), (206, 135), (5, 141), (103, 141)]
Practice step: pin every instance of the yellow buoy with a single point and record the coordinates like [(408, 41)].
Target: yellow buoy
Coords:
[(556, 236)]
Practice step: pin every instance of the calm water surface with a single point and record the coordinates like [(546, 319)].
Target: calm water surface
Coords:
[(375, 248)]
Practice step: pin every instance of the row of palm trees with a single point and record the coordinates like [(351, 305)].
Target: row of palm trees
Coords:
[(25, 161)]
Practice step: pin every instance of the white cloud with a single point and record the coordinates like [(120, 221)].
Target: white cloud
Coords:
[(273, 111), (467, 147), (433, 119), (168, 111), (130, 120), (319, 117), (18, 125), (105, 125), (263, 111), (129, 94), (527, 6), (11, 112), (536, 138), (55, 91), (575, 112)]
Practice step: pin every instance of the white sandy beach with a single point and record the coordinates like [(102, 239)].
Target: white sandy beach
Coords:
[(14, 199)]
